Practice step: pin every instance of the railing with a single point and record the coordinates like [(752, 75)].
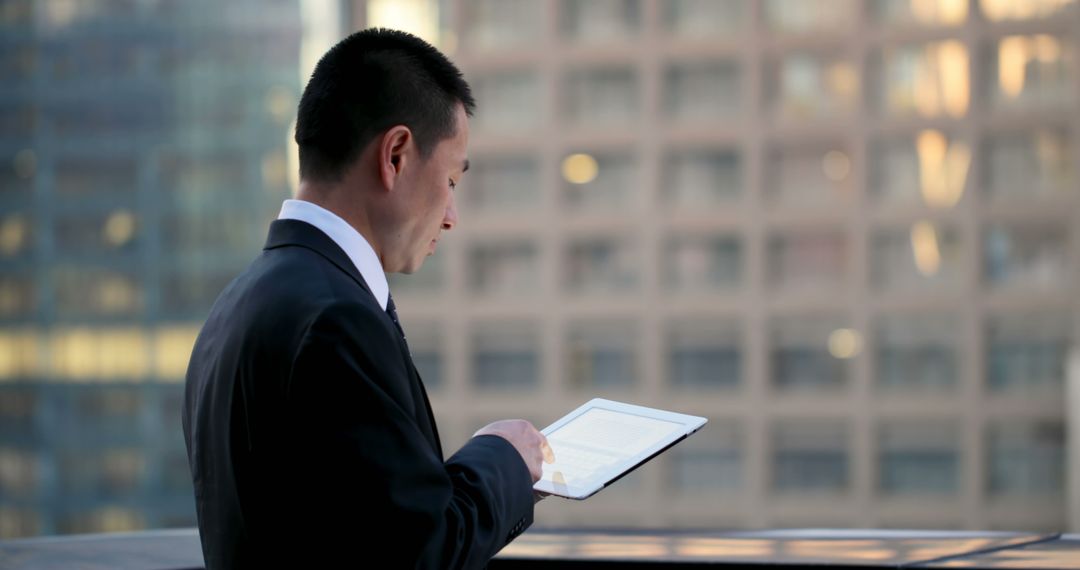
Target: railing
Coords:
[(591, 548)]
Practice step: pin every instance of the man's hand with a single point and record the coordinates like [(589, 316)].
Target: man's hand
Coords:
[(530, 443)]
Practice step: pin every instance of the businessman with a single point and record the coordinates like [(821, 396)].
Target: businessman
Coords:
[(309, 434)]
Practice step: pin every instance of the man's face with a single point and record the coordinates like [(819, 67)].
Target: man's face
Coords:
[(429, 197)]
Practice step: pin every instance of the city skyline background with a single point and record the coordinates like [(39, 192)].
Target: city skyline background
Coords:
[(845, 231)]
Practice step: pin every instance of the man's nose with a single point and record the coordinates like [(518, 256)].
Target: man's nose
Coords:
[(450, 217)]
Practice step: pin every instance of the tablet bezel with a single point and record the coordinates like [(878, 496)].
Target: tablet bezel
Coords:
[(690, 424)]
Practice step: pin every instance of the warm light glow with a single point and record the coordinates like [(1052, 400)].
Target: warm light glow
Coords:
[(1012, 57), (836, 165), (843, 80), (418, 17), (292, 160), (274, 171), (117, 519), (1016, 52), (943, 169), (924, 247), (18, 354), (88, 354), (1000, 10), (1047, 49), (957, 164), (116, 294), (119, 228), (580, 169), (952, 11), (620, 549), (172, 350), (949, 12), (12, 235), (279, 104), (714, 547), (953, 73), (941, 81), (845, 343)]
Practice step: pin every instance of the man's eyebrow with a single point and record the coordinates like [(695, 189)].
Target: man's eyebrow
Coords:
[(466, 169)]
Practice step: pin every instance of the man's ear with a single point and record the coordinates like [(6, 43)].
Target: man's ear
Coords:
[(392, 152)]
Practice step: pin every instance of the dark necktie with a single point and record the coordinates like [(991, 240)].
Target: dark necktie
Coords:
[(391, 309)]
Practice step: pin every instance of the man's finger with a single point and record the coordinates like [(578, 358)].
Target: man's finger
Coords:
[(549, 454)]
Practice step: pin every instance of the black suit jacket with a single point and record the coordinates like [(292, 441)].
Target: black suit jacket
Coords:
[(310, 437)]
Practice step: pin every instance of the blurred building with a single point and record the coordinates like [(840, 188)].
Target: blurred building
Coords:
[(848, 232), (142, 153)]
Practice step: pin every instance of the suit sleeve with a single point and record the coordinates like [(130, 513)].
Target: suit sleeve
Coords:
[(358, 449)]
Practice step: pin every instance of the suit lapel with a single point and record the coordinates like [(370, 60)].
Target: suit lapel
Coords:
[(302, 234)]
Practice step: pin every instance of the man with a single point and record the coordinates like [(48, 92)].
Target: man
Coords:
[(309, 434)]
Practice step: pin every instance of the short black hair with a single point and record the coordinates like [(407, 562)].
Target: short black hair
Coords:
[(370, 81)]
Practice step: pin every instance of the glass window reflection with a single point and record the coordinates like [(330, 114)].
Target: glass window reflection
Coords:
[(917, 354), (1029, 72)]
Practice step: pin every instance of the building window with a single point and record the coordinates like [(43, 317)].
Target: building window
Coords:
[(601, 96), (928, 80), (199, 229), (704, 355), (809, 260), (104, 519), (803, 16), (504, 267), (704, 18), (95, 232), (702, 91), (613, 185), (810, 457), (601, 356), (712, 463), (1026, 256), (805, 355), (505, 356), (88, 177), (811, 176), (1027, 353), (917, 353), (804, 86), (496, 24), (921, 258), (192, 290), (1029, 72), (1008, 10), (918, 458), (1025, 165), (426, 347), (694, 263), (1026, 459), (700, 178), (511, 101), (430, 278), (598, 21), (18, 294), (503, 184), (905, 13), (86, 291), (930, 168), (194, 181), (19, 472), (602, 265)]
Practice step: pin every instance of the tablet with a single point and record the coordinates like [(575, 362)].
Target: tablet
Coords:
[(603, 440)]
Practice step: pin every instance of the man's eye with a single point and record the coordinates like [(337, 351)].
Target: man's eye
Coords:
[(453, 185)]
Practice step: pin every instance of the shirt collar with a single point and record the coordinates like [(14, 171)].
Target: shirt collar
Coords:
[(347, 238)]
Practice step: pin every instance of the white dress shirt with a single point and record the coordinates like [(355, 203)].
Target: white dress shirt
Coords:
[(347, 238)]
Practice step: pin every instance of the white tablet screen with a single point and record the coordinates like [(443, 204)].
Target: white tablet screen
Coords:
[(588, 446)]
